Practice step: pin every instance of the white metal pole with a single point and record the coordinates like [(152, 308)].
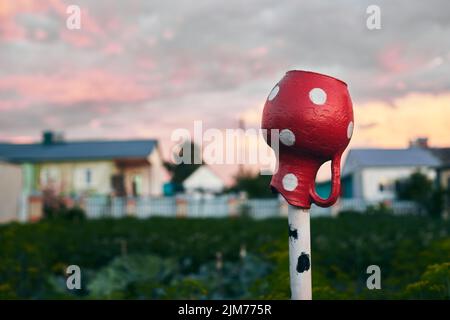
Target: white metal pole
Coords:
[(299, 253)]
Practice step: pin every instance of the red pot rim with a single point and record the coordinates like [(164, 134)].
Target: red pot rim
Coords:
[(316, 73)]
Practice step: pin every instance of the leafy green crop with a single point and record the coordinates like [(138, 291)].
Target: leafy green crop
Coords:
[(164, 258)]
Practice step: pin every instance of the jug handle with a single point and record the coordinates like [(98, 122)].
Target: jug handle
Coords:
[(335, 185)]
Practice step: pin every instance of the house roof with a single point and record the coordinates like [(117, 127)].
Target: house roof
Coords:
[(443, 154), (80, 150), (411, 157)]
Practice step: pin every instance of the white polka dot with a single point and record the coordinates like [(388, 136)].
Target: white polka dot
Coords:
[(287, 137), (290, 182), (318, 96), (274, 92), (350, 130)]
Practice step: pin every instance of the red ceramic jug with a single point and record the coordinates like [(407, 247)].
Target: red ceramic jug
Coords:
[(314, 115)]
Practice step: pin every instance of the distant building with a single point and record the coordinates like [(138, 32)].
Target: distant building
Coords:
[(203, 180), (370, 174), (120, 168)]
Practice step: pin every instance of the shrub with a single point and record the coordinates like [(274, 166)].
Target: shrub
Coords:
[(34, 257), (433, 284)]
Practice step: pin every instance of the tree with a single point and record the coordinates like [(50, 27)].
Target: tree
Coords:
[(192, 155), (255, 185), (420, 189)]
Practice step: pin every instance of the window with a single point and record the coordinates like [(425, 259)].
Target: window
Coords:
[(88, 177), (49, 175), (137, 185), (386, 186)]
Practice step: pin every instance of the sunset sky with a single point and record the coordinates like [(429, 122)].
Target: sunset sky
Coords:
[(140, 69)]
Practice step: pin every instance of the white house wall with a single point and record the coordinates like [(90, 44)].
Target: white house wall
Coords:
[(357, 185), (156, 178), (203, 178), (71, 176), (10, 191), (371, 178)]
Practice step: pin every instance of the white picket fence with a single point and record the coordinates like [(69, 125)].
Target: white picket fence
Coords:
[(398, 207), (221, 206), (163, 207)]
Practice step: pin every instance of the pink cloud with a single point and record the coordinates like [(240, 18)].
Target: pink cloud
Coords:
[(77, 38), (98, 86), (10, 30), (258, 52), (93, 29), (102, 109), (112, 48), (9, 104), (40, 35), (17, 138), (12, 8), (396, 59), (89, 34), (145, 63), (168, 34), (392, 60), (182, 74), (95, 124), (52, 121)]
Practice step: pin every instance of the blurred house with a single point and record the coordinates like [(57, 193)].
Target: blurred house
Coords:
[(370, 174), (203, 180), (119, 168)]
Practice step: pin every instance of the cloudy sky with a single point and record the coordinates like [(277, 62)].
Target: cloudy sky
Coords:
[(140, 69)]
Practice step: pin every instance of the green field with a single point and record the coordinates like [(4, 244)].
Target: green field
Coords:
[(163, 258)]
